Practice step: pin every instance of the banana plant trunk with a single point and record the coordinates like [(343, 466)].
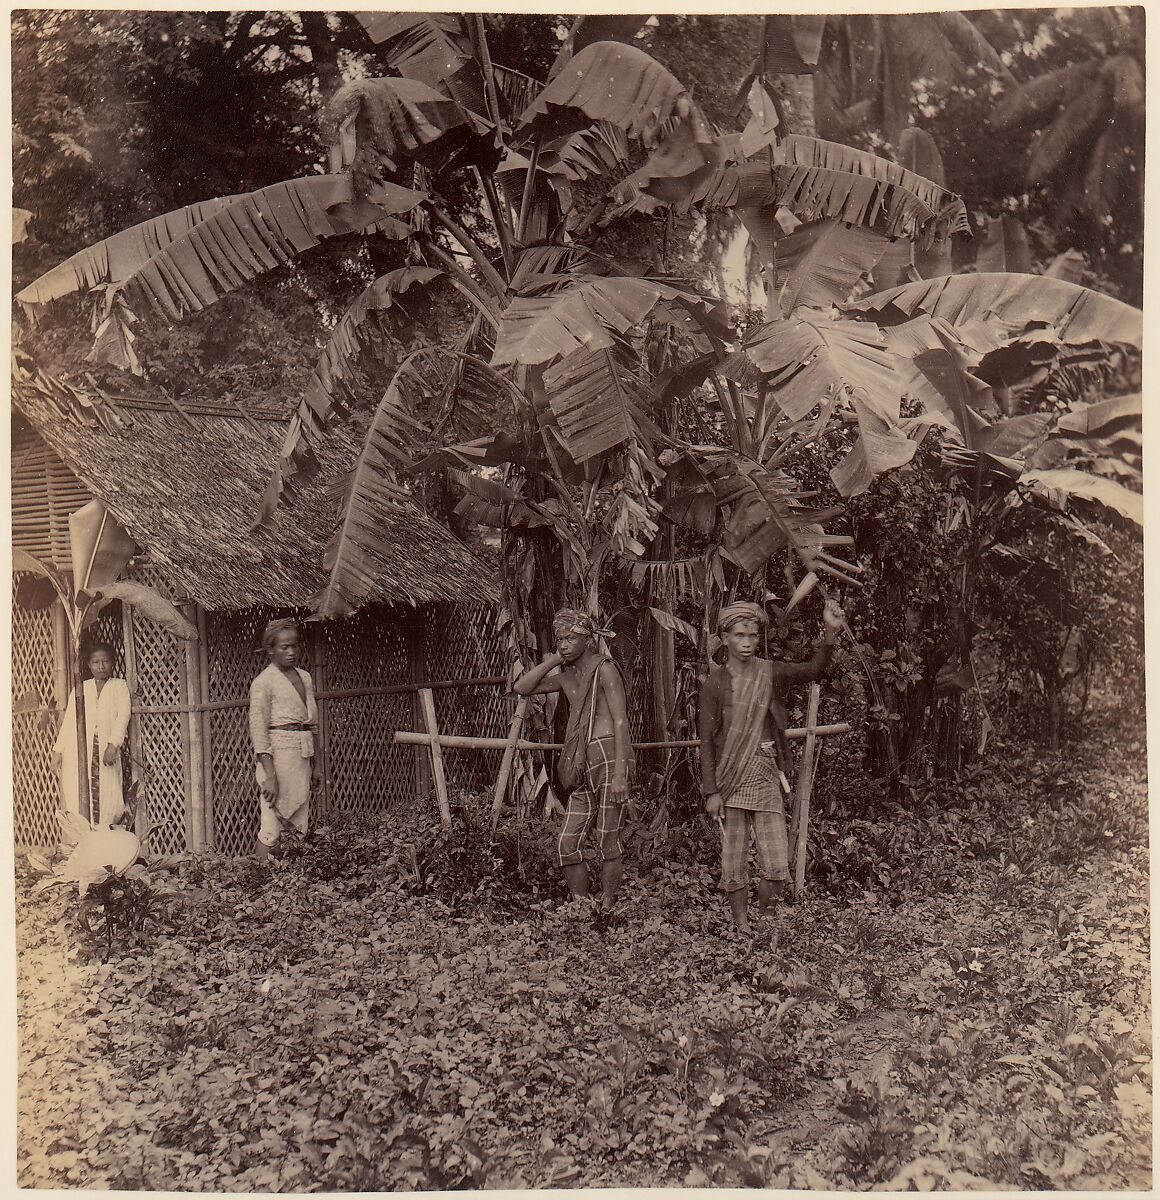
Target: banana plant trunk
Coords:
[(796, 93), (87, 803)]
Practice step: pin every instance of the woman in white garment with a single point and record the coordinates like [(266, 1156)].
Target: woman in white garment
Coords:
[(283, 716), (107, 710)]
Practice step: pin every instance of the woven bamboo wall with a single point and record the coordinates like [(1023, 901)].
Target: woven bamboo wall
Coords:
[(159, 740), (35, 792), (465, 644), (366, 771)]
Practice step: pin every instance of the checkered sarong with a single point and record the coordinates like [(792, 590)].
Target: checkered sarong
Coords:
[(590, 802), (755, 805)]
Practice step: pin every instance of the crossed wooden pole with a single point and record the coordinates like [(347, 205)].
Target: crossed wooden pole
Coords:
[(436, 742)]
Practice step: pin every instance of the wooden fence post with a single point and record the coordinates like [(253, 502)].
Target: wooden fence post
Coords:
[(322, 705), (505, 766), (427, 700), (803, 785), (207, 825)]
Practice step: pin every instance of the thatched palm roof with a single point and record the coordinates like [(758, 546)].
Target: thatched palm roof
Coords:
[(187, 486)]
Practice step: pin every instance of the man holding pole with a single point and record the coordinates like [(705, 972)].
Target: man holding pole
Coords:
[(597, 755), (741, 721)]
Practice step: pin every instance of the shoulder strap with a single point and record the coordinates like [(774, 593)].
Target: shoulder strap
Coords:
[(595, 694)]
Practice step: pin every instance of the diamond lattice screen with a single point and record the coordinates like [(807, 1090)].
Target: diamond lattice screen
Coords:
[(366, 771), (161, 750), (35, 790), (234, 648), (464, 644)]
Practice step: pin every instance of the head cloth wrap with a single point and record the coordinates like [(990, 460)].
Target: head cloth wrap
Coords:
[(740, 610), (282, 625), (572, 620)]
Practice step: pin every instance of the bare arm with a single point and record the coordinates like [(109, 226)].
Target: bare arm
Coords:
[(536, 681), (260, 736), (614, 697), (817, 666)]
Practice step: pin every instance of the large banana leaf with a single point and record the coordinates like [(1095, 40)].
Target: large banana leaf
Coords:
[(430, 46), (607, 81), (604, 27), (880, 447), (396, 120), (597, 401), (585, 314), (688, 156), (803, 359), (145, 601), (490, 502), (1104, 416), (767, 516), (633, 511), (1083, 486), (361, 548), (1074, 313), (119, 256), (918, 152), (816, 193), (819, 264), (254, 233), (1013, 436), (949, 211), (954, 391), (764, 508), (337, 359)]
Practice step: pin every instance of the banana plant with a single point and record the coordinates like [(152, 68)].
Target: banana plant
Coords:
[(589, 403), (100, 550)]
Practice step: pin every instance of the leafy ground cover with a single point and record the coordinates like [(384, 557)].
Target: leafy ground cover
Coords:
[(961, 1000)]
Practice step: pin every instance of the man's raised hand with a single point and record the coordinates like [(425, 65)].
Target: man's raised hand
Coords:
[(832, 617)]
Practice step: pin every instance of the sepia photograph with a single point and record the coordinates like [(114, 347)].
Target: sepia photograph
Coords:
[(577, 610)]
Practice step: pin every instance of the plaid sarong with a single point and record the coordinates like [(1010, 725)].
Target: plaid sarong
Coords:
[(756, 805), (590, 802)]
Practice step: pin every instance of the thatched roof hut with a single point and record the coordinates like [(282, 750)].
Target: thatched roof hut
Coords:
[(186, 482)]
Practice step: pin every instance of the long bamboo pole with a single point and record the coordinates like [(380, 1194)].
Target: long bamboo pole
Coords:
[(206, 729), (198, 759), (509, 753), (190, 746), (434, 740), (397, 689), (803, 786), (405, 737)]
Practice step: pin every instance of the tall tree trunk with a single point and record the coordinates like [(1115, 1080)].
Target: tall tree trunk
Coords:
[(323, 52), (796, 96)]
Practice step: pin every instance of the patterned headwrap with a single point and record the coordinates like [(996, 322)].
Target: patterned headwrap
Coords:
[(740, 610), (282, 625), (572, 620)]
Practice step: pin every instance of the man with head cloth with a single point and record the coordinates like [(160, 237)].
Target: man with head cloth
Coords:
[(744, 752), (597, 755), (283, 717)]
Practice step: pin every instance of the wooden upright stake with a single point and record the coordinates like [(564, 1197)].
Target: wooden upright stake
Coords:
[(427, 700), (207, 824), (803, 785), (505, 766), (198, 759)]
